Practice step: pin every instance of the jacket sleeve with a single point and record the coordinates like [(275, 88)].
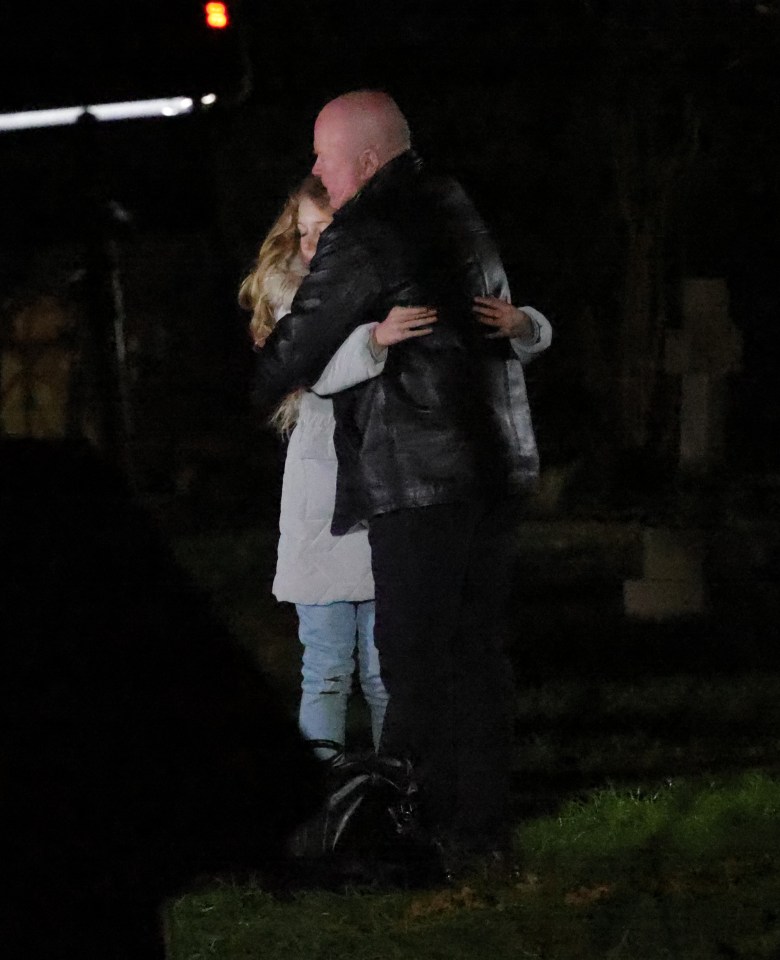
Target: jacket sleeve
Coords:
[(351, 364), (341, 292), (526, 350)]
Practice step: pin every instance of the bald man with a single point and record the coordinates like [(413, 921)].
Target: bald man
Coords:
[(354, 136), (432, 454)]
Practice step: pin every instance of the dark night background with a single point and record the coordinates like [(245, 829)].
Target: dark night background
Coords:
[(614, 149), (626, 156)]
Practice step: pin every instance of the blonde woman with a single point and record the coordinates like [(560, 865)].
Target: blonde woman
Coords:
[(327, 577)]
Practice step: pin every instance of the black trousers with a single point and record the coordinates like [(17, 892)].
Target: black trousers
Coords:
[(442, 578)]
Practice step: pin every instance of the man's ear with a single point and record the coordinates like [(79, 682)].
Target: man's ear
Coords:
[(369, 163)]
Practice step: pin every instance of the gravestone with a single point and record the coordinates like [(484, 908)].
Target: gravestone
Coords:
[(672, 583)]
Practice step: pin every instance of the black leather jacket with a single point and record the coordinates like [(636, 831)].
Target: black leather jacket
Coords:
[(448, 419)]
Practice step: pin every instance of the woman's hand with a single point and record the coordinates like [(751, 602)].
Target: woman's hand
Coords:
[(402, 323), (507, 321)]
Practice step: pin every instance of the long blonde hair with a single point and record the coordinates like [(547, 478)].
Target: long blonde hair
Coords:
[(268, 291)]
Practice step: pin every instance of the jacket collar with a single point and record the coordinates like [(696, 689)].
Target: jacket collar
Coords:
[(398, 170)]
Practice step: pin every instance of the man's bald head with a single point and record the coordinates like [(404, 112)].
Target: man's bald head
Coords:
[(375, 120), (355, 135)]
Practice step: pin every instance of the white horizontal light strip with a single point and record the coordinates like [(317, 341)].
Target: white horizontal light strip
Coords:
[(170, 107), (40, 118), (61, 116)]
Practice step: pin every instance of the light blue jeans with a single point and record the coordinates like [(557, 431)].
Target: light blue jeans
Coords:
[(331, 634)]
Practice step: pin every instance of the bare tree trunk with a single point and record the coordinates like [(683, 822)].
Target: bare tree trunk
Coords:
[(649, 169)]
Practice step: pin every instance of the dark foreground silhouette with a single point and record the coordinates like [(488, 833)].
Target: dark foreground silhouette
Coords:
[(142, 750)]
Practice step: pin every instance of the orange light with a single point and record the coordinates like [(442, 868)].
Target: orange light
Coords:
[(217, 15)]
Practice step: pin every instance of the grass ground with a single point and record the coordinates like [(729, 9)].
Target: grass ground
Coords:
[(686, 870), (647, 795)]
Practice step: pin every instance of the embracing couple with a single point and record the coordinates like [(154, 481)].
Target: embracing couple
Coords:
[(390, 353)]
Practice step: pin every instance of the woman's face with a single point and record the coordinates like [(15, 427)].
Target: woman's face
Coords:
[(312, 220)]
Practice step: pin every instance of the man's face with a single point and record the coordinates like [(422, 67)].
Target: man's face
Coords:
[(338, 158)]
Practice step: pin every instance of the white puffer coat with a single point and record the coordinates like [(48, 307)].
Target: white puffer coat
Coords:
[(313, 566)]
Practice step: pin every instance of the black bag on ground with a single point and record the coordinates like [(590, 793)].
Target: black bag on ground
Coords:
[(368, 831)]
